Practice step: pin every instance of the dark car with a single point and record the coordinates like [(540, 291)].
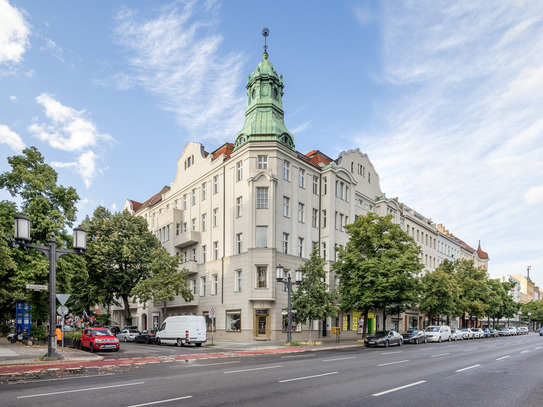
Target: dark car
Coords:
[(384, 338), (414, 336), (146, 337)]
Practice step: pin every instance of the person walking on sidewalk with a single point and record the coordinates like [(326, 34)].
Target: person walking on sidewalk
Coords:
[(59, 336)]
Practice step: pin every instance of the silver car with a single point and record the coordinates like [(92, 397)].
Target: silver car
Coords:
[(478, 333), (127, 335), (457, 335)]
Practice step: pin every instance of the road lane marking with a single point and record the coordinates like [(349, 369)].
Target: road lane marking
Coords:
[(160, 401), (75, 391), (538, 347), (307, 377), (333, 360), (469, 350), (215, 364), (251, 370), (298, 356), (503, 357), (441, 354), (393, 363), (391, 353), (466, 368), (525, 351), (398, 388)]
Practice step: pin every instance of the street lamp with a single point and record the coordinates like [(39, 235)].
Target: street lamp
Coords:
[(519, 318), (22, 235), (280, 277), (529, 320)]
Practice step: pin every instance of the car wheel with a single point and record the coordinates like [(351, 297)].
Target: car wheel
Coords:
[(386, 344), (147, 340), (416, 341), (439, 340), (125, 339), (425, 339), (449, 338), (91, 347), (179, 342), (117, 350), (158, 341), (400, 343)]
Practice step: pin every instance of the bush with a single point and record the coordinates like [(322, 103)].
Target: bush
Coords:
[(76, 335), (38, 332)]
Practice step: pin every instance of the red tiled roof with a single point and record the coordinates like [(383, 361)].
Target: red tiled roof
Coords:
[(481, 253), (224, 149), (316, 157)]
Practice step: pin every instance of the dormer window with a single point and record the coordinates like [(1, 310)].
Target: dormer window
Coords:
[(189, 161)]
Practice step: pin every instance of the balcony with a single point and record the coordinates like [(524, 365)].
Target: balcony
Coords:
[(190, 265), (186, 239)]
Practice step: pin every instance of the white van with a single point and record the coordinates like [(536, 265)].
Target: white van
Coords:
[(438, 333), (183, 329)]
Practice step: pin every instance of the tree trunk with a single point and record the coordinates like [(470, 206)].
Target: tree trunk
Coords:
[(310, 326), (127, 315), (384, 319), (365, 330), (164, 309)]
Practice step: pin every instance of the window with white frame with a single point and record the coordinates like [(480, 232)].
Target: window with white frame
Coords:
[(193, 254), (261, 198), (261, 276), (324, 250), (204, 191), (238, 281), (300, 247), (192, 284), (185, 227), (193, 223), (215, 250), (239, 243), (285, 243), (239, 171), (202, 286), (215, 184), (239, 206), (315, 218), (286, 206), (324, 218), (215, 217), (204, 253), (193, 202), (261, 236), (177, 229), (301, 178), (301, 209), (324, 185), (233, 320), (315, 184), (262, 162), (214, 284), (286, 170), (204, 222), (185, 202)]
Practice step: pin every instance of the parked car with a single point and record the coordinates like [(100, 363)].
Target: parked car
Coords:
[(513, 331), (128, 335), (478, 333), (384, 338), (504, 332), (114, 329), (494, 333), (523, 330), (97, 339), (466, 333), (541, 332), (146, 336), (414, 336), (457, 335), (438, 333), (181, 330)]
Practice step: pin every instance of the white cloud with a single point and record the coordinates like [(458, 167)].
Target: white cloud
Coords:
[(14, 33), (12, 139), (55, 49), (534, 195), (69, 130), (176, 56), (13, 98)]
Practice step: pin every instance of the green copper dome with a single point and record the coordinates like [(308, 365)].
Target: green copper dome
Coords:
[(264, 117)]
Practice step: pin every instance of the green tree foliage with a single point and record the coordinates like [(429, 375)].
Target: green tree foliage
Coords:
[(474, 289), (440, 291), (51, 209), (166, 280), (378, 267), (534, 307), (313, 300)]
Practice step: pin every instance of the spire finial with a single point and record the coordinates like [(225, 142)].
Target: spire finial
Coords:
[(265, 33)]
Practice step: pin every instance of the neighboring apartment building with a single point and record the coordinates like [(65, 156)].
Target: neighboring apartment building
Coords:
[(527, 287), (448, 248)]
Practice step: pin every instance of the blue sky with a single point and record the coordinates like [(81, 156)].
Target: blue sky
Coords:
[(445, 97)]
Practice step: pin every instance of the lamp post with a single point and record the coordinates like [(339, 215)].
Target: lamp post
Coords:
[(280, 276), (529, 320), (22, 235), (519, 318)]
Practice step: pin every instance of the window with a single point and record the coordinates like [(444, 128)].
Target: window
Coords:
[(300, 247), (193, 197), (204, 254), (202, 286), (286, 170), (204, 191), (185, 201), (189, 161), (262, 162), (175, 204), (261, 276), (237, 282), (193, 287), (315, 184), (239, 206), (285, 243), (286, 206), (239, 243), (177, 229), (301, 208), (261, 198), (369, 177), (215, 184), (239, 171), (215, 250), (261, 236), (301, 178), (315, 218), (324, 250), (204, 222), (193, 223), (215, 217), (233, 321), (214, 284), (185, 227), (193, 254), (325, 185)]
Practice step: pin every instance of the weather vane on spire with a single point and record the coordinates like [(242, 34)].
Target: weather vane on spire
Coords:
[(265, 33)]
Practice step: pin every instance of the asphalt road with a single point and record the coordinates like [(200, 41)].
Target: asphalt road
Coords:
[(483, 372)]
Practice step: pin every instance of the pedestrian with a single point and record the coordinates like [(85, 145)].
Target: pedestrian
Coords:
[(59, 336)]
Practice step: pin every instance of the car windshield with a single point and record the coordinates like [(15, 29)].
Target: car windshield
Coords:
[(432, 329), (380, 334), (410, 332), (101, 332)]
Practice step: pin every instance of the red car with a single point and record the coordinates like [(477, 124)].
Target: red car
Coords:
[(97, 339)]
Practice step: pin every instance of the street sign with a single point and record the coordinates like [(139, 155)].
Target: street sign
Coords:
[(212, 313), (36, 287), (62, 310), (62, 298)]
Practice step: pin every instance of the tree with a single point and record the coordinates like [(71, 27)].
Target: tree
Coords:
[(474, 288), (313, 300), (166, 280), (51, 209), (378, 267), (494, 300), (440, 291)]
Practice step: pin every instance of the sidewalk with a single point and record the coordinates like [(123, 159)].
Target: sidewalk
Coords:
[(17, 358)]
